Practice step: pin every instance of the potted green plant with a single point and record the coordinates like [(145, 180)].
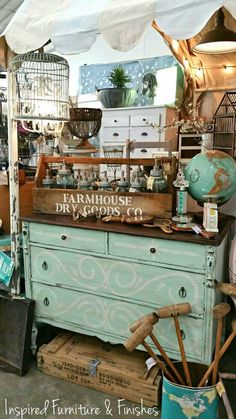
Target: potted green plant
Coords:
[(119, 95)]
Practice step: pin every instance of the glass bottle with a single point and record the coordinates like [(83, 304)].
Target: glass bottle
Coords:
[(143, 180), (47, 182), (105, 184), (122, 184), (136, 185), (84, 183), (65, 178), (157, 181)]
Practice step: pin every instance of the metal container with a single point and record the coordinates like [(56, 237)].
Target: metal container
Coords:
[(180, 402)]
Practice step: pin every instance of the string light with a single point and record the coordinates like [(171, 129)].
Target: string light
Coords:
[(175, 45), (199, 72), (186, 63), (228, 69)]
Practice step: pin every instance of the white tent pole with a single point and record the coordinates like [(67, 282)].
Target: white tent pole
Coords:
[(13, 185)]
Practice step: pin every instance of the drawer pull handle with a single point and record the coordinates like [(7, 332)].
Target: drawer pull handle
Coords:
[(144, 134), (46, 301), (144, 119), (182, 334), (182, 292), (115, 120), (143, 150), (115, 134), (152, 250), (44, 265), (63, 237)]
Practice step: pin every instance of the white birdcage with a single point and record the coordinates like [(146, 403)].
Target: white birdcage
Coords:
[(42, 86)]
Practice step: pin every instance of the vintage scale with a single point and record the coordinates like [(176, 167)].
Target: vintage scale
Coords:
[(182, 220)]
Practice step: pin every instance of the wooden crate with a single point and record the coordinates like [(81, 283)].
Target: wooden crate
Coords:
[(68, 201), (26, 203), (73, 357)]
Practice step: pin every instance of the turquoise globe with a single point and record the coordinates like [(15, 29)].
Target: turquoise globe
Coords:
[(211, 173)]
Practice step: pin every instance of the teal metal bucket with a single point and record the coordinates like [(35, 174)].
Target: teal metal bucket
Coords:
[(180, 402)]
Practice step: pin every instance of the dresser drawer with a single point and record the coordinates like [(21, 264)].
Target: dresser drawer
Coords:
[(145, 119), (115, 135), (103, 316), (68, 238), (144, 134), (144, 152), (116, 120), (167, 252), (117, 279)]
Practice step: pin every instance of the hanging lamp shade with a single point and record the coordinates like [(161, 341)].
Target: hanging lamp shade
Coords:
[(219, 40), (42, 86)]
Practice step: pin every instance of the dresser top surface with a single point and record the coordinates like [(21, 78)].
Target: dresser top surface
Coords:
[(225, 222), (139, 108)]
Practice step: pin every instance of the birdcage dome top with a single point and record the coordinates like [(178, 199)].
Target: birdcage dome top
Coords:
[(41, 57)]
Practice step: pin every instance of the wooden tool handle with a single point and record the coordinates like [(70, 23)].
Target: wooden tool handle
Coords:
[(220, 310), (217, 349), (182, 351), (166, 358), (138, 336), (113, 219), (222, 351), (173, 310), (151, 318), (227, 289), (159, 362)]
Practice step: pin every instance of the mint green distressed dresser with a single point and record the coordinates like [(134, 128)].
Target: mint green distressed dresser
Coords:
[(96, 279)]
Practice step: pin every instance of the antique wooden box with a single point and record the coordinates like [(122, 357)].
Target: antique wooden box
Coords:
[(89, 362), (69, 201)]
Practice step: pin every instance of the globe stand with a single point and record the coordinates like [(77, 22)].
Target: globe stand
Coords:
[(182, 220)]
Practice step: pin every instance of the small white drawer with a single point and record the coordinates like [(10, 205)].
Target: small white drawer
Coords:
[(145, 134), (142, 153), (116, 121), (154, 117), (115, 135)]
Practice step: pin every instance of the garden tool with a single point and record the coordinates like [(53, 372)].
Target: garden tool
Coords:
[(138, 219), (192, 227), (138, 337), (174, 311), (221, 353), (164, 225), (227, 289), (219, 312), (152, 318)]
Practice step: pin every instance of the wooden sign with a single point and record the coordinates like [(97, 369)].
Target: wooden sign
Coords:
[(69, 201), (6, 268)]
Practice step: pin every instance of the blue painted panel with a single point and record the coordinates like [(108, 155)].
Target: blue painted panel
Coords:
[(6, 268), (97, 75)]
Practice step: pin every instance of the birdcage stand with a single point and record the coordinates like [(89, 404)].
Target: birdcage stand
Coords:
[(13, 187)]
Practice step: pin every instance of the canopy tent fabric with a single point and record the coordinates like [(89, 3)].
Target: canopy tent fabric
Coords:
[(204, 71), (73, 26), (7, 11)]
